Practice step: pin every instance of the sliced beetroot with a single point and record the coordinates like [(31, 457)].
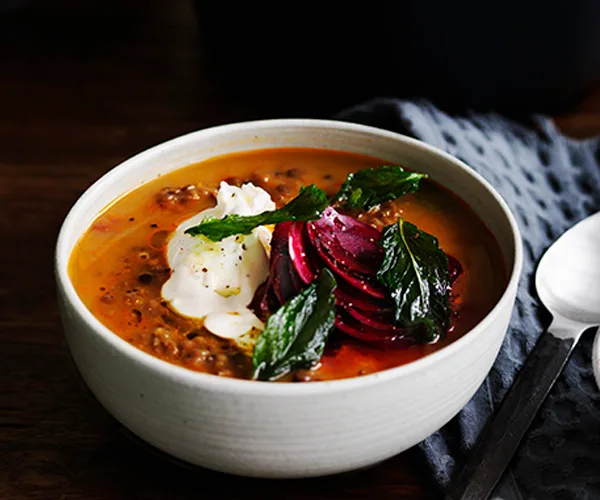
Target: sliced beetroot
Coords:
[(282, 285), (361, 282), (264, 300), (296, 280), (259, 294), (270, 302), (301, 252), (352, 243), (374, 320), (284, 280), (354, 328), (454, 268), (264, 297), (348, 229), (347, 296), (286, 284), (279, 240), (355, 227), (350, 249)]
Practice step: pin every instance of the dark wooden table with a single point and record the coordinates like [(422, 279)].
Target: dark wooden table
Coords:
[(81, 89)]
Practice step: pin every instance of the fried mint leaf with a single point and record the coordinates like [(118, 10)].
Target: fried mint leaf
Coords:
[(370, 187), (415, 272), (295, 336), (308, 205)]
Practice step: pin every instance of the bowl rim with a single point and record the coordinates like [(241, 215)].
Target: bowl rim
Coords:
[(237, 386)]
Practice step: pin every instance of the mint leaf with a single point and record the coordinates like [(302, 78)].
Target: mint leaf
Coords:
[(415, 272), (370, 187), (295, 336), (308, 205)]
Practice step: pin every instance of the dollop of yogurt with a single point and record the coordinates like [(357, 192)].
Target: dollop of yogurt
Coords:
[(215, 281)]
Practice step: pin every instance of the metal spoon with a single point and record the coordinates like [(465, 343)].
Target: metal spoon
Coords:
[(568, 284)]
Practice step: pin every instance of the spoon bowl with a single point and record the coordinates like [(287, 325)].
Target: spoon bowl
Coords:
[(568, 276), (596, 357)]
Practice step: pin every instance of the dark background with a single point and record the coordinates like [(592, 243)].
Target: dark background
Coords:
[(515, 56), (85, 85)]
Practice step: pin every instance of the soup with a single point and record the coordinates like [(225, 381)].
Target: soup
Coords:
[(349, 273)]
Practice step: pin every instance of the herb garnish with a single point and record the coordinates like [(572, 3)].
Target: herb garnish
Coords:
[(415, 272), (308, 205), (361, 190), (295, 336), (370, 187)]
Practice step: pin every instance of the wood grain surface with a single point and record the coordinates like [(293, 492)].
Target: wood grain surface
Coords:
[(83, 88)]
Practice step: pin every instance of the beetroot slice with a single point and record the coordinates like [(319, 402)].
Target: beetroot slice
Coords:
[(357, 281), (285, 281), (454, 268), (374, 321), (300, 252), (264, 300), (268, 300), (297, 283), (345, 223), (279, 240), (283, 286), (257, 299), (351, 297), (351, 243), (354, 328), (348, 230)]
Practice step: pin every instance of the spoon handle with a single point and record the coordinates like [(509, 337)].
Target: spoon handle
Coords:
[(501, 436)]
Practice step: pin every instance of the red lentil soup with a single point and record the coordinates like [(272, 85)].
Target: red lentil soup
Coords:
[(119, 265)]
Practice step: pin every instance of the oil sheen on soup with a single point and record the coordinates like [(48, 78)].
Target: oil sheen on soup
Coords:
[(130, 267)]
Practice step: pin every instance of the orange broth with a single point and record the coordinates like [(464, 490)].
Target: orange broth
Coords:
[(119, 265)]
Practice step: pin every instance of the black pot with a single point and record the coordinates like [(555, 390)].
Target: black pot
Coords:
[(515, 56)]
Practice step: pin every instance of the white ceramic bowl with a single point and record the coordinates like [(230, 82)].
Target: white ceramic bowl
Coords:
[(273, 429)]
